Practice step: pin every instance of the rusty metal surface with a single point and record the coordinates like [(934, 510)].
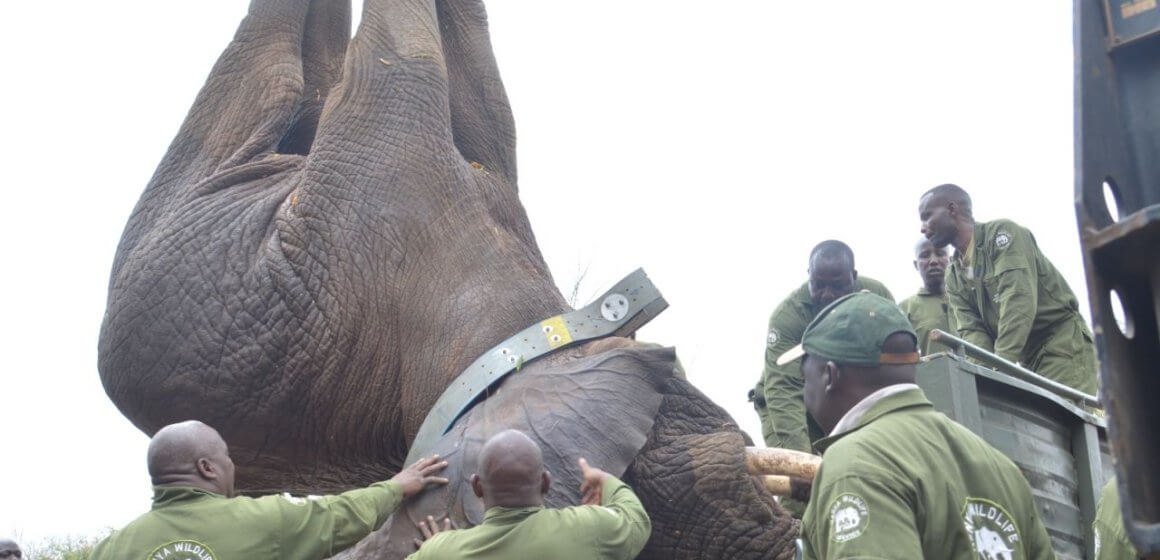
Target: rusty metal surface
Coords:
[(1117, 143)]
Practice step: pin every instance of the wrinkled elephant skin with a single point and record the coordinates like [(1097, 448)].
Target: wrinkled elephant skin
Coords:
[(335, 233)]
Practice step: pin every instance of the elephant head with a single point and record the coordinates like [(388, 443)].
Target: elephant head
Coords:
[(335, 233)]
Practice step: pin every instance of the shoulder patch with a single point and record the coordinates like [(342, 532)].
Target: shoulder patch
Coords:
[(849, 517), (1002, 239), (991, 530), (182, 550), (772, 338)]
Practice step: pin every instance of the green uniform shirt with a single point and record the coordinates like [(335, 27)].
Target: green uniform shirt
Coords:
[(926, 312), (1008, 298), (617, 529), (905, 481), (785, 413), (192, 524), (1111, 541)]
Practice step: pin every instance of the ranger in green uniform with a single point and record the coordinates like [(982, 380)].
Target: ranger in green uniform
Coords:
[(1005, 295), (899, 479), (927, 310), (194, 516), (512, 483), (831, 275), (1111, 541)]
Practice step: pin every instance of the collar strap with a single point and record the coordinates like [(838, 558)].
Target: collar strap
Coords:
[(903, 358), (622, 310)]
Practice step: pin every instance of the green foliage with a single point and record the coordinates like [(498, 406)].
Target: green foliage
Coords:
[(62, 548)]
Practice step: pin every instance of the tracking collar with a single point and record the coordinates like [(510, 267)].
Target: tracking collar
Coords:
[(622, 310)]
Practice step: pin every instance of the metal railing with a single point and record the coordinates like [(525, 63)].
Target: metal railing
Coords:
[(1011, 368)]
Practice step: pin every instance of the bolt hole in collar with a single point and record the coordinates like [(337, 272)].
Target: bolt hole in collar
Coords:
[(617, 317)]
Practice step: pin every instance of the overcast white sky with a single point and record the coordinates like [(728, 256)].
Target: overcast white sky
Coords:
[(712, 143)]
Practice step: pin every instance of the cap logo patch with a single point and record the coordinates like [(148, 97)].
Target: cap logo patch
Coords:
[(1002, 240), (772, 338), (849, 517), (992, 532)]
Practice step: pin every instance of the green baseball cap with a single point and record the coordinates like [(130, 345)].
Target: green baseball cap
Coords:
[(851, 331)]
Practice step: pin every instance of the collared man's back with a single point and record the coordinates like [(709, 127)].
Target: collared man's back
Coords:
[(905, 462), (899, 479), (195, 524), (618, 529), (195, 517)]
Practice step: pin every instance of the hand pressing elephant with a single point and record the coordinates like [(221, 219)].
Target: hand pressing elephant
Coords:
[(335, 234)]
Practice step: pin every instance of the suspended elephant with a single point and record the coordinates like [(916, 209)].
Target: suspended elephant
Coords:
[(335, 234)]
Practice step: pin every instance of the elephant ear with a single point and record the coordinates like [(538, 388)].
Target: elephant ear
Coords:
[(601, 407)]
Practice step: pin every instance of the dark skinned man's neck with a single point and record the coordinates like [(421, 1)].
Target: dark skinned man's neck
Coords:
[(186, 482), (963, 237)]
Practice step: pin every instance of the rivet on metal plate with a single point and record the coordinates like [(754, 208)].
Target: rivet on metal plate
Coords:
[(614, 307)]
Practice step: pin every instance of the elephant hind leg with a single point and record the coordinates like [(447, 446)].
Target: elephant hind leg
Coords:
[(324, 41), (481, 118), (273, 77)]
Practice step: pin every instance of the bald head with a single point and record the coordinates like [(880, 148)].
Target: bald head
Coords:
[(949, 192), (9, 550), (832, 250), (946, 216), (511, 471), (832, 273), (191, 454)]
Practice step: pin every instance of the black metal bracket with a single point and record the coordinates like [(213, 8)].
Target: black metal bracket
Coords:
[(1117, 195)]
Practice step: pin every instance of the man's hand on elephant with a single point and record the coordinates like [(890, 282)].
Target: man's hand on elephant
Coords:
[(429, 527), (592, 487), (416, 477)]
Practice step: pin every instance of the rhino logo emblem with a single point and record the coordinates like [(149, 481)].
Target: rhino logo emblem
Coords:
[(1002, 240), (849, 517), (992, 532), (991, 546)]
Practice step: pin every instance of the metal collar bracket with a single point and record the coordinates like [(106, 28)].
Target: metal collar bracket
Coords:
[(622, 310)]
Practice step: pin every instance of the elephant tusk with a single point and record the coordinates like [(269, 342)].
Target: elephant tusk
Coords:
[(786, 487), (777, 484), (784, 462)]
